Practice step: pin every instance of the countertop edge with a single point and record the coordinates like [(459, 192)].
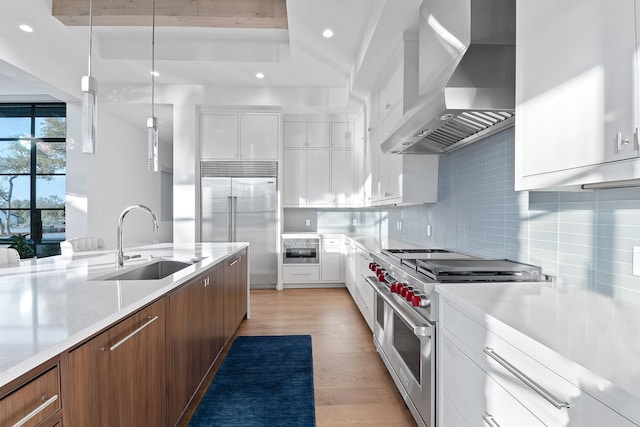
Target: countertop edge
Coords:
[(49, 353)]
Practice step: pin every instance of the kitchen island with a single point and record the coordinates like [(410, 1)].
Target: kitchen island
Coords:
[(52, 307)]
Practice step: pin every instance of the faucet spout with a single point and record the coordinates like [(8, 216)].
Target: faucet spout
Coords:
[(121, 257)]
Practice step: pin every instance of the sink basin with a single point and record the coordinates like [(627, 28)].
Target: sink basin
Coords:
[(154, 270)]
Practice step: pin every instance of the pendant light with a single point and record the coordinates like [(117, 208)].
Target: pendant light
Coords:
[(89, 87), (152, 122)]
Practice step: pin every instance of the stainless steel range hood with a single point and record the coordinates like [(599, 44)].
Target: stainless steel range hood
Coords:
[(467, 77)]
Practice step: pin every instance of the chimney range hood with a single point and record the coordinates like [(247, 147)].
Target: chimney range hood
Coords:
[(466, 77)]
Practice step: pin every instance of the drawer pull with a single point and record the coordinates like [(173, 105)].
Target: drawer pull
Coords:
[(525, 379), (36, 411), (234, 262), (490, 421), (128, 337)]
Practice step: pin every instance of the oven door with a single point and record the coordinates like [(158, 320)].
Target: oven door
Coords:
[(301, 251), (412, 353), (406, 343)]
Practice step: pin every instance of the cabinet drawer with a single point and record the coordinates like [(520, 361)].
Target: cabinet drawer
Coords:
[(300, 274), (331, 241), (547, 394), (33, 402), (476, 396)]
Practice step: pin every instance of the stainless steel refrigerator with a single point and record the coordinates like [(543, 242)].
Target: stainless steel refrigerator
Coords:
[(236, 209)]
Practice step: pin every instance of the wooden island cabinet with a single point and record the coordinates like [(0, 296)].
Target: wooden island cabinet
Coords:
[(118, 378), (143, 370)]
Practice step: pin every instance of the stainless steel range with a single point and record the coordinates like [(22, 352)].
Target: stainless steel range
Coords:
[(406, 312)]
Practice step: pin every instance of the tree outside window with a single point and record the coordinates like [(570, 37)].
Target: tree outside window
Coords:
[(33, 171)]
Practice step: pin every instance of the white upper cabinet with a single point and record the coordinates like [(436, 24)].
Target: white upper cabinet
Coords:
[(397, 90), (342, 172), (307, 134), (319, 162), (259, 135), (219, 136), (576, 93), (241, 136), (307, 178), (342, 135)]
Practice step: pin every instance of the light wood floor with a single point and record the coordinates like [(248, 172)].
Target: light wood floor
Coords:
[(352, 385)]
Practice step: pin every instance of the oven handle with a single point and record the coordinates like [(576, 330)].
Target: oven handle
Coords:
[(419, 329)]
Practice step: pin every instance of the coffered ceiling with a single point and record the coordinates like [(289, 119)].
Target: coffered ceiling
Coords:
[(201, 43)]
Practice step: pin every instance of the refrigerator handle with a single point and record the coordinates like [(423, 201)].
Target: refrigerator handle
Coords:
[(235, 213), (229, 219)]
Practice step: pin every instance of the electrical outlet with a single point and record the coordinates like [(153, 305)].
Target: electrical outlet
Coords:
[(354, 221), (636, 260), (399, 225), (428, 230), (307, 222)]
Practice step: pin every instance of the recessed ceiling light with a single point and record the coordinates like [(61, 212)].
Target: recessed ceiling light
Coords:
[(328, 33), (154, 73), (26, 28), (259, 75)]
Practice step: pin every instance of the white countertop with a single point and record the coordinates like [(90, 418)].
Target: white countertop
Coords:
[(597, 332), (50, 305)]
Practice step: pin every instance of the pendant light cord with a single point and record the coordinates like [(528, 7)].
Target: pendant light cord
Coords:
[(153, 50), (91, 32)]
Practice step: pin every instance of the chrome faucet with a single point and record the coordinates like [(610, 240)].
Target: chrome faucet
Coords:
[(120, 254)]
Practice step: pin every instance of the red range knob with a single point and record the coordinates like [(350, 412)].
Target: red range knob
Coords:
[(381, 277), (399, 288), (394, 285), (416, 300), (378, 271), (405, 290), (372, 266), (410, 295)]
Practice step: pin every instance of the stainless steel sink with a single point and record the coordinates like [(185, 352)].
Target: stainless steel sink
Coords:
[(154, 270)]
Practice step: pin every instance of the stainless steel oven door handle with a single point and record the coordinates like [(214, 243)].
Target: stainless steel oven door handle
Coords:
[(419, 329)]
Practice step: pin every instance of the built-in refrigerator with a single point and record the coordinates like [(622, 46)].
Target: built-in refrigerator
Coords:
[(242, 209)]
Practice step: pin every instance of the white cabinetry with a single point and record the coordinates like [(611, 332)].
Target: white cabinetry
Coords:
[(356, 267), (342, 135), (484, 375), (307, 134), (576, 93), (307, 178), (239, 136), (318, 164), (396, 92), (331, 260), (407, 178), (342, 184)]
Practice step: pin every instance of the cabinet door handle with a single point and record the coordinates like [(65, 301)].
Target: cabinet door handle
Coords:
[(525, 379), (36, 411), (128, 337), (388, 106), (487, 418), (621, 141), (234, 262)]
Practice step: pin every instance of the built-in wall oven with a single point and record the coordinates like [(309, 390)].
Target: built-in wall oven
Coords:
[(298, 249), (406, 313)]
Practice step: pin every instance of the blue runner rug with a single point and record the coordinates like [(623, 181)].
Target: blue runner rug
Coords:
[(263, 381)]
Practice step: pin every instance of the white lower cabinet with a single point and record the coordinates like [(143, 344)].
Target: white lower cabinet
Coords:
[(474, 397), (331, 260), (491, 380), (300, 273)]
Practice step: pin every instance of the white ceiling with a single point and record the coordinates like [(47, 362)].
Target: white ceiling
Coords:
[(48, 63)]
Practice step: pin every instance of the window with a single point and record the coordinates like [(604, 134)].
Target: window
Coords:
[(33, 173)]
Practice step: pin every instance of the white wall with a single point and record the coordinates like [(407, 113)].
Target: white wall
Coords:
[(101, 186)]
